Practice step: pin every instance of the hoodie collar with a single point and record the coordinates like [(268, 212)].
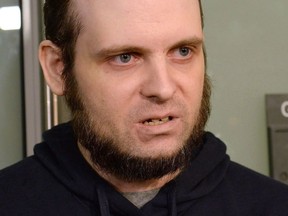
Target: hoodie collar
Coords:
[(59, 153)]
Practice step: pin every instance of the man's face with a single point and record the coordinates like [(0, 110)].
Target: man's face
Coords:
[(139, 69)]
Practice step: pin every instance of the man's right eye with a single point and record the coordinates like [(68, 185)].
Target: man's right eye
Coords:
[(125, 58), (121, 59)]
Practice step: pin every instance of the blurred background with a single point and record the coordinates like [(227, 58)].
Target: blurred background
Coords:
[(247, 49)]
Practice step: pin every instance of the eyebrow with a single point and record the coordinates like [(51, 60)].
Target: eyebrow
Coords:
[(194, 41), (116, 50)]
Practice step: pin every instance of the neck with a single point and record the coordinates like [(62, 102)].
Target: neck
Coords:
[(124, 186)]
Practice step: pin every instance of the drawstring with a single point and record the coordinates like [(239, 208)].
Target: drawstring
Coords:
[(171, 199), (102, 201)]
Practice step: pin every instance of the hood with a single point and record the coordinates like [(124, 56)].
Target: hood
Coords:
[(205, 173), (59, 154)]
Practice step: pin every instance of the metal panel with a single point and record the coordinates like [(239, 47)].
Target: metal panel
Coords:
[(31, 38), (277, 122)]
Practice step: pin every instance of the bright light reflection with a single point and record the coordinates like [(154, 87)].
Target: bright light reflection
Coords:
[(10, 18)]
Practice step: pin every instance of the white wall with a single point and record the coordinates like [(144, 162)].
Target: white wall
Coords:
[(11, 109)]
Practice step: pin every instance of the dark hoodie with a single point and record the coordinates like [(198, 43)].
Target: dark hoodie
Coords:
[(58, 181)]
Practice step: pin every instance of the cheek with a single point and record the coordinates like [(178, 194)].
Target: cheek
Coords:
[(193, 93), (105, 101), (191, 81), (192, 85)]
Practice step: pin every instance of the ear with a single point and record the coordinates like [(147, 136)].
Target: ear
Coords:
[(50, 58)]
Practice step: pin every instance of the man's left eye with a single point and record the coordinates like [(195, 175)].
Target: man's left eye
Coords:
[(184, 51), (181, 53)]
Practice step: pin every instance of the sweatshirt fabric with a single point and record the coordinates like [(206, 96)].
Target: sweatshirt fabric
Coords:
[(57, 180)]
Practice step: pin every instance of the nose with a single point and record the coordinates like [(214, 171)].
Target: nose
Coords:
[(158, 83)]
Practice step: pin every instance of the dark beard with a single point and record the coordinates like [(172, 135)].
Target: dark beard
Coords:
[(107, 157)]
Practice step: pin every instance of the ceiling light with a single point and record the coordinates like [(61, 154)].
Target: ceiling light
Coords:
[(10, 18)]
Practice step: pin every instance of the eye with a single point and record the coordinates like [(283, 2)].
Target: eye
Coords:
[(184, 51), (181, 53), (124, 58)]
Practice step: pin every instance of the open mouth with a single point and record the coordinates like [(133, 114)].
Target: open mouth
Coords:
[(154, 122)]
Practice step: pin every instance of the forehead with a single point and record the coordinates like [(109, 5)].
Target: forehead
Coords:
[(133, 19)]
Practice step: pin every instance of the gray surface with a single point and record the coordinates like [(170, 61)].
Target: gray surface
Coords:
[(247, 58)]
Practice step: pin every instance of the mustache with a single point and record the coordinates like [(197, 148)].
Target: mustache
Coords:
[(175, 107)]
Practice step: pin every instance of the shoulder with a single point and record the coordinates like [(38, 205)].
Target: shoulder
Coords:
[(27, 186), (16, 182), (250, 187), (26, 168), (22, 179), (246, 177)]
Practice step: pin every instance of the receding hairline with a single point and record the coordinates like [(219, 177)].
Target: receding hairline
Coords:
[(73, 13)]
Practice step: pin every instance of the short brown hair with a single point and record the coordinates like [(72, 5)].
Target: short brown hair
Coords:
[(62, 27)]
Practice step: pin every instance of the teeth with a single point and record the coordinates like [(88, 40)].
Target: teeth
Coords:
[(153, 122)]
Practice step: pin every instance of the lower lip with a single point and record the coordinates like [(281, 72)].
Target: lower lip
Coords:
[(147, 132)]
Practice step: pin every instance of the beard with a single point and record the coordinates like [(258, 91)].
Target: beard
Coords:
[(104, 150)]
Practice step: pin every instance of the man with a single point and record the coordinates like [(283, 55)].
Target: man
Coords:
[(133, 74)]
